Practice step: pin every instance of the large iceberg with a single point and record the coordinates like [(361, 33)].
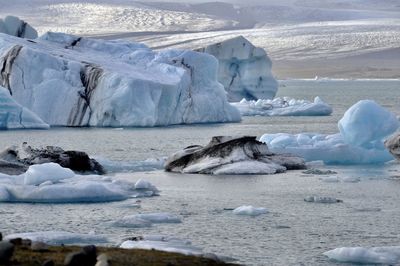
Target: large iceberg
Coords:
[(244, 70), (14, 26), (73, 81), (15, 116), (363, 129), (51, 183), (283, 107)]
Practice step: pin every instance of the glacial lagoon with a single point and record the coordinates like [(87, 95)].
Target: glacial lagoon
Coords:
[(293, 232)]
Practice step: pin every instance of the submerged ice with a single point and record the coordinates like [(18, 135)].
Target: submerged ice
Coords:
[(73, 81), (363, 129)]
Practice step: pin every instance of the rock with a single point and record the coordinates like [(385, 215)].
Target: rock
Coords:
[(393, 145), (20, 158), (86, 257), (1, 236), (48, 263), (39, 246), (91, 254), (102, 260), (244, 70), (6, 251), (228, 155)]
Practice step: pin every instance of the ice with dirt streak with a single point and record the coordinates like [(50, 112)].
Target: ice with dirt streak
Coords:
[(14, 26), (363, 129)]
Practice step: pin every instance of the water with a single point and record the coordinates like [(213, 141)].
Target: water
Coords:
[(293, 233)]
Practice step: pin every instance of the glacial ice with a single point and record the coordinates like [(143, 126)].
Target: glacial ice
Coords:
[(283, 107), (51, 183), (72, 81), (59, 237), (319, 199), (375, 255), (250, 211), (163, 243), (146, 219), (360, 141), (244, 70), (15, 116), (14, 26)]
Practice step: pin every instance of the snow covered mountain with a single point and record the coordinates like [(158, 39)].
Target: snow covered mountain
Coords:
[(72, 81)]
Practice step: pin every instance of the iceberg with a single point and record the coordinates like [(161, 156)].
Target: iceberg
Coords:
[(244, 70), (229, 155), (363, 129), (14, 26), (376, 255), (74, 81), (51, 183), (59, 237), (15, 116), (283, 107)]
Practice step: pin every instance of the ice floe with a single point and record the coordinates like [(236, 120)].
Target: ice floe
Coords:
[(283, 107), (360, 141), (244, 70), (228, 155), (250, 211), (59, 237), (51, 183), (146, 219), (375, 255), (68, 80)]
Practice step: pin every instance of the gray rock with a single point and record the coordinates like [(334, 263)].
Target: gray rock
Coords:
[(228, 155), (393, 145), (48, 263), (6, 251), (86, 257)]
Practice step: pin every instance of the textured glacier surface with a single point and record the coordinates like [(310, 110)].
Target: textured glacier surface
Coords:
[(360, 141), (375, 255), (72, 81), (51, 183), (283, 107), (244, 70), (15, 116)]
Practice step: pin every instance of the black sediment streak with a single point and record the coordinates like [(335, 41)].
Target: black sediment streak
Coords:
[(21, 29), (6, 64), (90, 76), (73, 43)]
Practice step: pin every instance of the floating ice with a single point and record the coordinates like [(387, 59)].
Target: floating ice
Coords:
[(249, 210), (150, 164), (59, 237), (380, 255), (163, 243), (314, 171), (72, 81), (14, 26), (283, 107), (146, 219), (244, 70), (50, 183), (357, 123), (317, 199), (15, 116)]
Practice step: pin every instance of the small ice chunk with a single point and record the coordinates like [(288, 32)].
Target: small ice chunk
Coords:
[(314, 171), (143, 184), (146, 219), (375, 255), (318, 199), (250, 211), (39, 173)]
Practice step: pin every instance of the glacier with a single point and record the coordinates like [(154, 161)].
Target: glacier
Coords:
[(244, 70), (15, 116), (14, 26), (363, 128), (284, 106), (68, 80)]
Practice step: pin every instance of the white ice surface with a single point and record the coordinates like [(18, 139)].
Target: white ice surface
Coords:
[(342, 148), (376, 255), (163, 243), (15, 116), (50, 183), (69, 81), (283, 107), (250, 210), (59, 237)]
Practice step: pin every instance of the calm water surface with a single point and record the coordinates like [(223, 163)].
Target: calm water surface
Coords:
[(293, 233)]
